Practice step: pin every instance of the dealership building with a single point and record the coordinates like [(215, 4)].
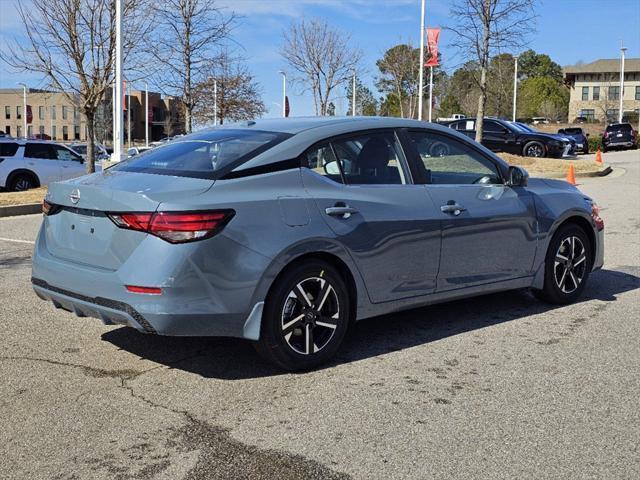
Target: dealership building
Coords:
[(595, 90)]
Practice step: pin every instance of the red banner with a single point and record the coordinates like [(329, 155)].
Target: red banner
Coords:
[(29, 114), (433, 35), (287, 109)]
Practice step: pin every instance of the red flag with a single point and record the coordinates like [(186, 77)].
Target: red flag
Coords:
[(433, 35), (287, 109), (29, 114)]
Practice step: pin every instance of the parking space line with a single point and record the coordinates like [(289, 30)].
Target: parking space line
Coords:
[(30, 242)]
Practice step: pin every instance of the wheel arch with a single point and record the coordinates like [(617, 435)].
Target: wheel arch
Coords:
[(22, 171)]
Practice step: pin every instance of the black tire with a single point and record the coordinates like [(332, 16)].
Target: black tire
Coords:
[(290, 338), (586, 150), (22, 182), (533, 149), (604, 149), (560, 276)]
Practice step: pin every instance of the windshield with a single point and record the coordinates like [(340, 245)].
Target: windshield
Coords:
[(81, 149), (622, 127), (518, 127), (203, 155)]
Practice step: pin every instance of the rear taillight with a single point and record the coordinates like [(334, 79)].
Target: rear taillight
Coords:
[(175, 227), (144, 290), (49, 208), (595, 214)]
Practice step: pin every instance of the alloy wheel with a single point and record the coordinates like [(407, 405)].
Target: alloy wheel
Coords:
[(22, 184), (570, 264), (534, 151), (310, 315)]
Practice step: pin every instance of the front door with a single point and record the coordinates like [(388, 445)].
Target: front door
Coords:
[(70, 163), (38, 157), (488, 228), (363, 190)]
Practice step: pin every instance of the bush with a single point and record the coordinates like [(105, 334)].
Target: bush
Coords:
[(595, 143)]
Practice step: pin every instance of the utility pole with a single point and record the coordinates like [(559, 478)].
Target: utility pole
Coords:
[(353, 95), (430, 90), (215, 102), (421, 82), (284, 93), (129, 114), (146, 114), (515, 86), (24, 108), (117, 114), (622, 50)]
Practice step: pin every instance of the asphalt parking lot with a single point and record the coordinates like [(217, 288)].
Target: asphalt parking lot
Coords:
[(494, 387)]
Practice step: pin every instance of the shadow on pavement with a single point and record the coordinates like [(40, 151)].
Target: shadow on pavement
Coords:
[(234, 359)]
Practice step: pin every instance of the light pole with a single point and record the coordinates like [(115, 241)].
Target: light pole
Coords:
[(430, 90), (129, 114), (421, 81), (353, 95), (117, 114), (284, 93), (146, 114), (215, 102), (515, 86), (24, 108), (622, 50)]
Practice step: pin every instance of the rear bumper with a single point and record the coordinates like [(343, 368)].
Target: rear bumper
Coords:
[(598, 260), (622, 143)]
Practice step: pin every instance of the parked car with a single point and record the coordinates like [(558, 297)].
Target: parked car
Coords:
[(619, 135), (539, 120), (569, 143), (136, 150), (81, 149), (502, 136), (285, 232), (579, 136), (26, 164), (41, 136)]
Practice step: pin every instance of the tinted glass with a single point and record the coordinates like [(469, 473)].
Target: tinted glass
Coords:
[(81, 149), (449, 161), (8, 149), (322, 161), (493, 127), (62, 153), (204, 155), (620, 127), (371, 159), (38, 150), (573, 131)]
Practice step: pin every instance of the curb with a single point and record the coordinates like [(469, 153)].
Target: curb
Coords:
[(600, 173), (14, 210)]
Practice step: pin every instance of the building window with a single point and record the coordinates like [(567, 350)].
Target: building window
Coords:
[(41, 113), (7, 130), (18, 131), (596, 93), (638, 92), (7, 113), (19, 112), (53, 132), (65, 131), (614, 93), (588, 113), (30, 131), (65, 112), (76, 132), (612, 114), (53, 112), (585, 94)]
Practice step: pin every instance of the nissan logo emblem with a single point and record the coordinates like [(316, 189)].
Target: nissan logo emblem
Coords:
[(75, 196)]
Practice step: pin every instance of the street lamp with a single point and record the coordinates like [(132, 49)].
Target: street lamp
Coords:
[(215, 103), (146, 114), (24, 107), (353, 95), (622, 50), (515, 86), (118, 132), (421, 75), (284, 93)]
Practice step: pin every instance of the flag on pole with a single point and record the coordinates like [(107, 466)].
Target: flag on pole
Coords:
[(433, 35)]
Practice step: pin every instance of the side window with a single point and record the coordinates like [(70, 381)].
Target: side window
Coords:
[(37, 150), (8, 149), (371, 159), (449, 161), (492, 127), (62, 153), (321, 160)]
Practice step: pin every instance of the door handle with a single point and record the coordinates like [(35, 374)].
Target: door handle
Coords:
[(452, 207), (340, 210)]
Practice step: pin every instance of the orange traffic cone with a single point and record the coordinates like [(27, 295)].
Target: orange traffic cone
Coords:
[(571, 175), (599, 157)]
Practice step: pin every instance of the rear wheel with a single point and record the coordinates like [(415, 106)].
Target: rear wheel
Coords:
[(306, 317), (533, 149), (22, 182), (567, 266)]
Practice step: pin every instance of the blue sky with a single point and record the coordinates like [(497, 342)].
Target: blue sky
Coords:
[(567, 30)]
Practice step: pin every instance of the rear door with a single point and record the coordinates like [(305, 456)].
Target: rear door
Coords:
[(41, 159), (71, 164), (488, 228), (363, 188)]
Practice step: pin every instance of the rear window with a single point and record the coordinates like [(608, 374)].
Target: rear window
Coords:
[(8, 149), (620, 127), (203, 155), (573, 131)]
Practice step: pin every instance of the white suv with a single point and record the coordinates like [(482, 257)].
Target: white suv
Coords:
[(26, 164)]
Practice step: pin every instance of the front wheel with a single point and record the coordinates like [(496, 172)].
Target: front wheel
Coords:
[(306, 317), (22, 182), (567, 266), (533, 149)]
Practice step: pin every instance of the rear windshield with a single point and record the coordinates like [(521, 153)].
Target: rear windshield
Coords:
[(209, 154), (573, 131), (620, 127)]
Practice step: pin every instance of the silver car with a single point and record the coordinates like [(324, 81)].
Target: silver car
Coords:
[(285, 232)]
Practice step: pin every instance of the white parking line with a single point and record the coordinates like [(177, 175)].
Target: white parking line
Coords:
[(30, 242)]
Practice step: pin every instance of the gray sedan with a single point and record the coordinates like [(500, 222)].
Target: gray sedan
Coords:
[(285, 232)]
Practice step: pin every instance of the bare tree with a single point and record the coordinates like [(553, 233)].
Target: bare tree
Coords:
[(72, 44), (189, 34), (485, 27), (321, 56), (236, 90)]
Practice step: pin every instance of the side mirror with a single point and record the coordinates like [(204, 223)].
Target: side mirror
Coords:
[(518, 177), (332, 168)]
